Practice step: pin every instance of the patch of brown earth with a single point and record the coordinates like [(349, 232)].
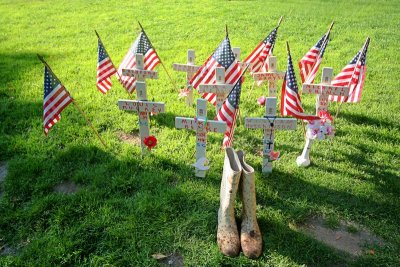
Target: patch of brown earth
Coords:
[(173, 260), (3, 170), (130, 138), (7, 251), (66, 188), (356, 242)]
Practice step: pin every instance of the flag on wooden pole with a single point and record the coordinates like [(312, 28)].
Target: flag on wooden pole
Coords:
[(290, 102), (228, 113), (258, 58), (105, 69), (353, 76), (142, 46), (56, 99), (222, 57)]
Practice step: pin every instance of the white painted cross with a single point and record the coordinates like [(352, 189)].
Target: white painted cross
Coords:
[(220, 88), (270, 123), (201, 125), (236, 52), (272, 76), (139, 72), (142, 106), (323, 90), (190, 68)]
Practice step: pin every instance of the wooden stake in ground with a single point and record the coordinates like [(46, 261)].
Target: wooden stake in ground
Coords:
[(272, 76), (323, 91), (190, 68), (220, 88), (270, 123), (142, 106), (202, 126), (76, 105), (172, 82)]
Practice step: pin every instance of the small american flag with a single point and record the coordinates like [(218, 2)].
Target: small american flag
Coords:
[(291, 103), (142, 46), (222, 57), (258, 58), (309, 64), (56, 98), (228, 113), (353, 76), (105, 68)]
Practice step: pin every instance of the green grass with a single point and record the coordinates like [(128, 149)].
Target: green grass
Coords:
[(130, 207)]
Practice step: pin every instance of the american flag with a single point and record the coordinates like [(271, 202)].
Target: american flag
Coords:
[(142, 46), (222, 57), (258, 58), (309, 64), (56, 98), (291, 103), (353, 76), (228, 113), (105, 68)]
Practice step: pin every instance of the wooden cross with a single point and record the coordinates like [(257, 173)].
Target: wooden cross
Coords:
[(270, 123), (220, 88), (201, 125), (142, 106), (236, 52), (139, 72), (272, 76), (190, 68), (323, 90)]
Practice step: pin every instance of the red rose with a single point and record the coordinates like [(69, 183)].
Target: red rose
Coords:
[(150, 141)]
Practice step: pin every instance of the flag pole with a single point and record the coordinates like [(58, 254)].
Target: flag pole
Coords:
[(279, 22), (75, 104), (358, 60), (119, 77), (226, 29), (172, 81)]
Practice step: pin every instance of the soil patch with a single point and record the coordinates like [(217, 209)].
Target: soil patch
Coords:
[(348, 237), (130, 138), (173, 260), (66, 188), (3, 171), (7, 251)]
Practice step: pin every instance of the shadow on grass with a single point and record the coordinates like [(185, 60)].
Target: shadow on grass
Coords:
[(360, 119)]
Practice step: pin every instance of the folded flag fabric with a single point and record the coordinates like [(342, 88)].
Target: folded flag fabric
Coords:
[(290, 102), (141, 45), (228, 113), (353, 76), (56, 99), (105, 69), (222, 57)]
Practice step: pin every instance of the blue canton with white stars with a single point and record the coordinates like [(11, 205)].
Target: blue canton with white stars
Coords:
[(142, 44), (223, 54), (291, 77), (363, 57), (102, 52), (234, 95), (50, 82), (319, 43), (271, 37)]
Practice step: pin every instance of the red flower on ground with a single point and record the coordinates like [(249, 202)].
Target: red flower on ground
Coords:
[(150, 141)]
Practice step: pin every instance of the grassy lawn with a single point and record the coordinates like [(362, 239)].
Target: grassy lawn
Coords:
[(128, 207)]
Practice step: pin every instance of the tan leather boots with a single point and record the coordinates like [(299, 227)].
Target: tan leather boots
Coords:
[(238, 174)]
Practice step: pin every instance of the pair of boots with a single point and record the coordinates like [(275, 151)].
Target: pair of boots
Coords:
[(237, 173)]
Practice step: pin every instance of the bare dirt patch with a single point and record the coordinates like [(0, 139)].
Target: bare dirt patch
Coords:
[(356, 242), (66, 188), (130, 138), (3, 170), (7, 251), (174, 260)]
